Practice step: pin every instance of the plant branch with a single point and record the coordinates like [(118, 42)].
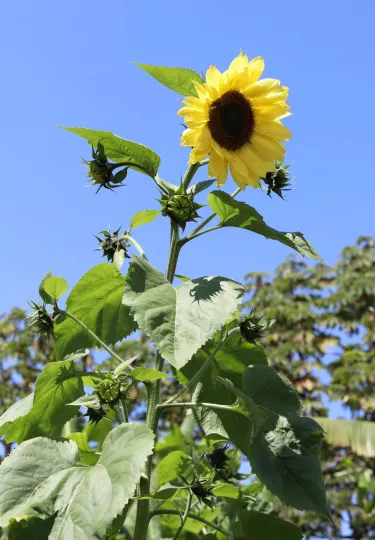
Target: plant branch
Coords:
[(194, 404), (97, 339), (125, 410), (200, 371), (193, 234), (185, 515), (161, 511), (192, 169)]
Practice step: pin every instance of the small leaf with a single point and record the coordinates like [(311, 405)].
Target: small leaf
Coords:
[(233, 213), (226, 490), (96, 301), (45, 476), (200, 186), (44, 296), (168, 491), (121, 150), (125, 364), (143, 217), (145, 374), (165, 186), (179, 80), (175, 462), (257, 526), (88, 400), (182, 278), (49, 409), (54, 287), (179, 320)]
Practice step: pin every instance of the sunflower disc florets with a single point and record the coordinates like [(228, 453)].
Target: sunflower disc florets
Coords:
[(180, 206), (279, 180), (253, 328), (101, 171), (112, 242)]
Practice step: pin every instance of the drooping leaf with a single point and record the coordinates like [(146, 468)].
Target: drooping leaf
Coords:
[(96, 300), (143, 217), (54, 287), (47, 410), (145, 374), (229, 363), (285, 454), (45, 476), (358, 435), (233, 213), (200, 186), (179, 320), (179, 80), (226, 490), (120, 150), (258, 526)]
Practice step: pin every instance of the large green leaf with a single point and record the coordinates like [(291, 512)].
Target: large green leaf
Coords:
[(257, 526), (179, 320), (233, 213), (358, 435), (229, 363), (42, 477), (46, 410), (285, 454), (121, 150), (179, 80), (96, 300)]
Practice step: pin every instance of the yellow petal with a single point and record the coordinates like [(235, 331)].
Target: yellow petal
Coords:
[(268, 148), (189, 137), (213, 76), (272, 112), (271, 98), (255, 69), (201, 147), (217, 167), (237, 177), (192, 101), (201, 90), (253, 161), (239, 63), (274, 129), (189, 112), (261, 87)]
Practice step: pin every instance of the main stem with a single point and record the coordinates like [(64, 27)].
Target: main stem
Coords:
[(143, 507)]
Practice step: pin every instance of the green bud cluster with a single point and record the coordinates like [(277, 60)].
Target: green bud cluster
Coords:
[(253, 328), (278, 181), (111, 242), (180, 206), (101, 171), (40, 321)]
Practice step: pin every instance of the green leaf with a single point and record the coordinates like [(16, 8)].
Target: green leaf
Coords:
[(173, 441), (166, 187), (200, 186), (226, 490), (119, 258), (120, 150), (285, 455), (54, 287), (143, 217), (182, 278), (233, 213), (168, 491), (48, 410), (31, 528), (96, 301), (45, 476), (258, 526), (168, 467), (86, 453), (179, 80), (180, 320), (229, 363), (44, 296), (145, 374)]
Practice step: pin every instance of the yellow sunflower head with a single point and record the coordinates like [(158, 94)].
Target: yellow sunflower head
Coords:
[(236, 119)]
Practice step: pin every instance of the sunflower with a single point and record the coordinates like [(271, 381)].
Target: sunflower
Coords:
[(235, 118)]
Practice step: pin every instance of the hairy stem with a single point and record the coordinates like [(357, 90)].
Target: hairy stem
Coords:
[(137, 246), (195, 404), (97, 339), (161, 511), (185, 515)]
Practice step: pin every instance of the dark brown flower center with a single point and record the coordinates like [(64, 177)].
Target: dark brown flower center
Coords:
[(231, 120)]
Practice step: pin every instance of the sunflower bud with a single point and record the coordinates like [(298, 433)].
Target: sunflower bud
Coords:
[(112, 243), (101, 171), (180, 206), (40, 321), (95, 414), (279, 180), (108, 390), (218, 458), (253, 328)]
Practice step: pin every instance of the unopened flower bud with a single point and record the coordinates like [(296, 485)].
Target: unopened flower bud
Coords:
[(180, 206), (111, 242), (279, 180), (253, 328)]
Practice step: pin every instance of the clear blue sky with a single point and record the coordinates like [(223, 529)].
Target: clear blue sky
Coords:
[(70, 63)]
